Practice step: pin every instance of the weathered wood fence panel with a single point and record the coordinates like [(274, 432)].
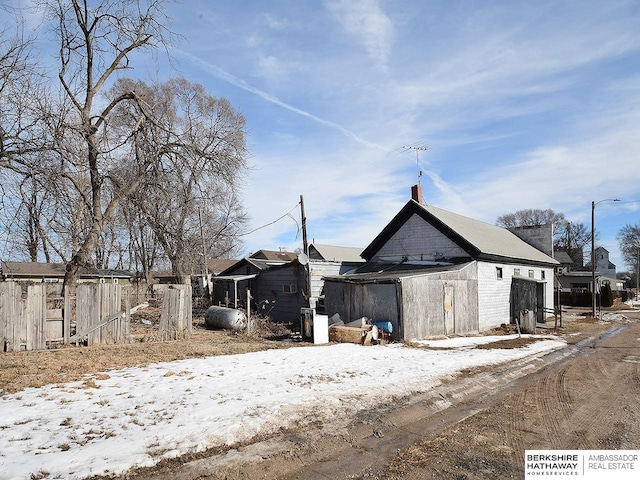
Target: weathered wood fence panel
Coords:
[(176, 315), (22, 322), (99, 316), (97, 310)]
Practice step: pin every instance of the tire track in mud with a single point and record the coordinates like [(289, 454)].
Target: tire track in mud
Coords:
[(603, 366), (562, 393), (545, 393), (515, 425)]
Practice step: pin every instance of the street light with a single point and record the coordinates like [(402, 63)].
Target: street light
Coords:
[(593, 252)]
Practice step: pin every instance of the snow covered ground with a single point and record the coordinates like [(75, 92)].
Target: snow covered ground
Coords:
[(120, 419)]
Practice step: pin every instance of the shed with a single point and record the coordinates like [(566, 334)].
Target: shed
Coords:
[(452, 275)]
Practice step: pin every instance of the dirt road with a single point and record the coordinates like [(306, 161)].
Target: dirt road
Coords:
[(476, 427)]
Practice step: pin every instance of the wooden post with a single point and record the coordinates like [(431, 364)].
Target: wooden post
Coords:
[(249, 325)]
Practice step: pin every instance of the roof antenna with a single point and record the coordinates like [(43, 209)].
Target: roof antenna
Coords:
[(417, 150)]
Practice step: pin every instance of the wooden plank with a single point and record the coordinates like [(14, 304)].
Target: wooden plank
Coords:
[(342, 334), (78, 336), (37, 316), (66, 327)]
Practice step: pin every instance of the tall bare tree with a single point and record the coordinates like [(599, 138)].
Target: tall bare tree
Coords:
[(629, 241), (96, 41), (530, 217), (570, 237), (196, 146)]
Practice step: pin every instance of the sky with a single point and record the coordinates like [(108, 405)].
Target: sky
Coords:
[(492, 106), (520, 104), (119, 419)]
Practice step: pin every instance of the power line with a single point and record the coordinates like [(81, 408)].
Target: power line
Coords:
[(288, 214)]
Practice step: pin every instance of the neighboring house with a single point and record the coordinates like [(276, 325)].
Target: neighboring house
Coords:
[(279, 282), (199, 282), (565, 261), (579, 280), (431, 272), (603, 266), (329, 260), (54, 273), (570, 278)]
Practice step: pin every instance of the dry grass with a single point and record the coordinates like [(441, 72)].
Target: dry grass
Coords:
[(20, 370)]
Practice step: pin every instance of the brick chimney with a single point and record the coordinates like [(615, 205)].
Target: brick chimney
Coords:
[(416, 193)]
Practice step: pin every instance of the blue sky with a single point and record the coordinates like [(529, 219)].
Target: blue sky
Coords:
[(522, 105)]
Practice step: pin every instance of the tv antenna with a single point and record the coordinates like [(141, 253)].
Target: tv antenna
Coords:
[(417, 149)]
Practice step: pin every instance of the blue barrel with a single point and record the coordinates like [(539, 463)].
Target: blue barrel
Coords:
[(386, 325)]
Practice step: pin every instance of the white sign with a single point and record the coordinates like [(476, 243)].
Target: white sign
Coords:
[(582, 464)]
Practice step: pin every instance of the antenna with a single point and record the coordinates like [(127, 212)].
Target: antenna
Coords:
[(417, 150)]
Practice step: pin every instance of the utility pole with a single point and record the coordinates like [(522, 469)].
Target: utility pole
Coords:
[(205, 279), (417, 150), (305, 248)]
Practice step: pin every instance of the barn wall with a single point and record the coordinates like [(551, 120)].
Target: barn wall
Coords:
[(419, 240), (494, 295), (440, 304), (376, 301)]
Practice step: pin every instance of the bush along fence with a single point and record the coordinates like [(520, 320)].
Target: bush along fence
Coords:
[(98, 313)]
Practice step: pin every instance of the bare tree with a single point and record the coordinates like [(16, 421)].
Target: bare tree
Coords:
[(95, 43), (570, 237), (629, 241), (197, 152), (530, 218), (15, 82)]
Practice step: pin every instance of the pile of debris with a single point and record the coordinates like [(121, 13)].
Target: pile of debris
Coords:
[(361, 331)]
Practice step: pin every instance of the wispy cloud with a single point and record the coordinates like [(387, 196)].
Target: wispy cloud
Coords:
[(366, 21), (238, 82)]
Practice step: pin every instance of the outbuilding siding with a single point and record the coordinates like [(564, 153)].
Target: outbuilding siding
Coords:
[(494, 295), (417, 240)]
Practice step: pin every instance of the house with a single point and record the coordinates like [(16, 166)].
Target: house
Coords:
[(576, 282), (54, 273), (280, 282), (431, 272), (603, 266)]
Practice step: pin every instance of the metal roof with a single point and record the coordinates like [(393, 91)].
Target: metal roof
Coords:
[(384, 273), (334, 253), (562, 257)]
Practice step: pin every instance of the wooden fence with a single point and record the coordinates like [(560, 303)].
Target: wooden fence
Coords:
[(100, 312), (176, 315), (22, 322)]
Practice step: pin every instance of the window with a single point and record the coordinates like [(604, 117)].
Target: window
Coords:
[(499, 273), (291, 288), (531, 274), (542, 275), (516, 271)]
